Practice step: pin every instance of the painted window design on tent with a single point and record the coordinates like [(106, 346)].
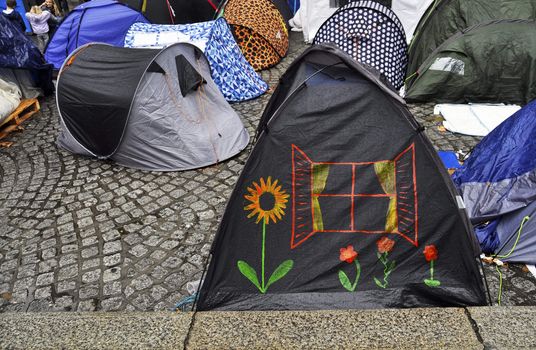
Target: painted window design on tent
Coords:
[(323, 191)]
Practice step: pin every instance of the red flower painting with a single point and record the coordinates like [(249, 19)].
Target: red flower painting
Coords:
[(348, 254), (385, 245), (430, 253)]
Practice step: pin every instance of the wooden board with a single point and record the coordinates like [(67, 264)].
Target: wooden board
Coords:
[(13, 122)]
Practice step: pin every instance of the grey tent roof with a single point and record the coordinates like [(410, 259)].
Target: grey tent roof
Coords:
[(147, 109)]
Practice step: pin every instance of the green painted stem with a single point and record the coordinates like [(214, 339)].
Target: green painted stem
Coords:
[(386, 271), (432, 270), (263, 249), (358, 274), (383, 258)]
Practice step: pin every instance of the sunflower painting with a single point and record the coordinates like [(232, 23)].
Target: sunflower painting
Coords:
[(267, 201)]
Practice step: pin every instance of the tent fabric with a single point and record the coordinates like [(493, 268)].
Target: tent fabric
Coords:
[(16, 49), (497, 183), (189, 79), (499, 175), (18, 52), (449, 159), (512, 236), (372, 34), (99, 126), (105, 21), (178, 11), (259, 30), (311, 14), (21, 9), (25, 82), (157, 11), (444, 18), (341, 186), (409, 12), (284, 10), (481, 64), (127, 105), (233, 75)]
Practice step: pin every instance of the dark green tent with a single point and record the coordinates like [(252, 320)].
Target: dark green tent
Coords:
[(445, 18), (490, 62)]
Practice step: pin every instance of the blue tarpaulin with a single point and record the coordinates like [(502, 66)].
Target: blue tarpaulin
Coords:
[(104, 21), (17, 51), (450, 161), (20, 9)]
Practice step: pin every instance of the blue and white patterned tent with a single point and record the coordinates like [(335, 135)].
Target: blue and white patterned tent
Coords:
[(230, 71)]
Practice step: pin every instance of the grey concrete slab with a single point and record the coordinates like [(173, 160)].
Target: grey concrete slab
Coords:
[(447, 328), (506, 327), (135, 330)]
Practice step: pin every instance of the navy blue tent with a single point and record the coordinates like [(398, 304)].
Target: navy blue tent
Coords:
[(498, 185), (17, 51), (104, 21), (20, 9)]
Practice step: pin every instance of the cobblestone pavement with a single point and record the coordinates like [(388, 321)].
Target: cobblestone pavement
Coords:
[(78, 234)]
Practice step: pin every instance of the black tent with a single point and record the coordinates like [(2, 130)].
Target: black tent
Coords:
[(343, 203), (284, 9), (178, 11)]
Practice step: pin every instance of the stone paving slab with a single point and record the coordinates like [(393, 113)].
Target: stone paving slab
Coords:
[(134, 330), (426, 328), (506, 327), (447, 328)]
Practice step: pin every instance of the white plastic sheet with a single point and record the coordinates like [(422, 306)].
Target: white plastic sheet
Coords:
[(532, 269), (158, 40), (474, 119)]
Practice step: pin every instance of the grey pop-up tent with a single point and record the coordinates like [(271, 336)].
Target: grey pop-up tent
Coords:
[(146, 109)]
